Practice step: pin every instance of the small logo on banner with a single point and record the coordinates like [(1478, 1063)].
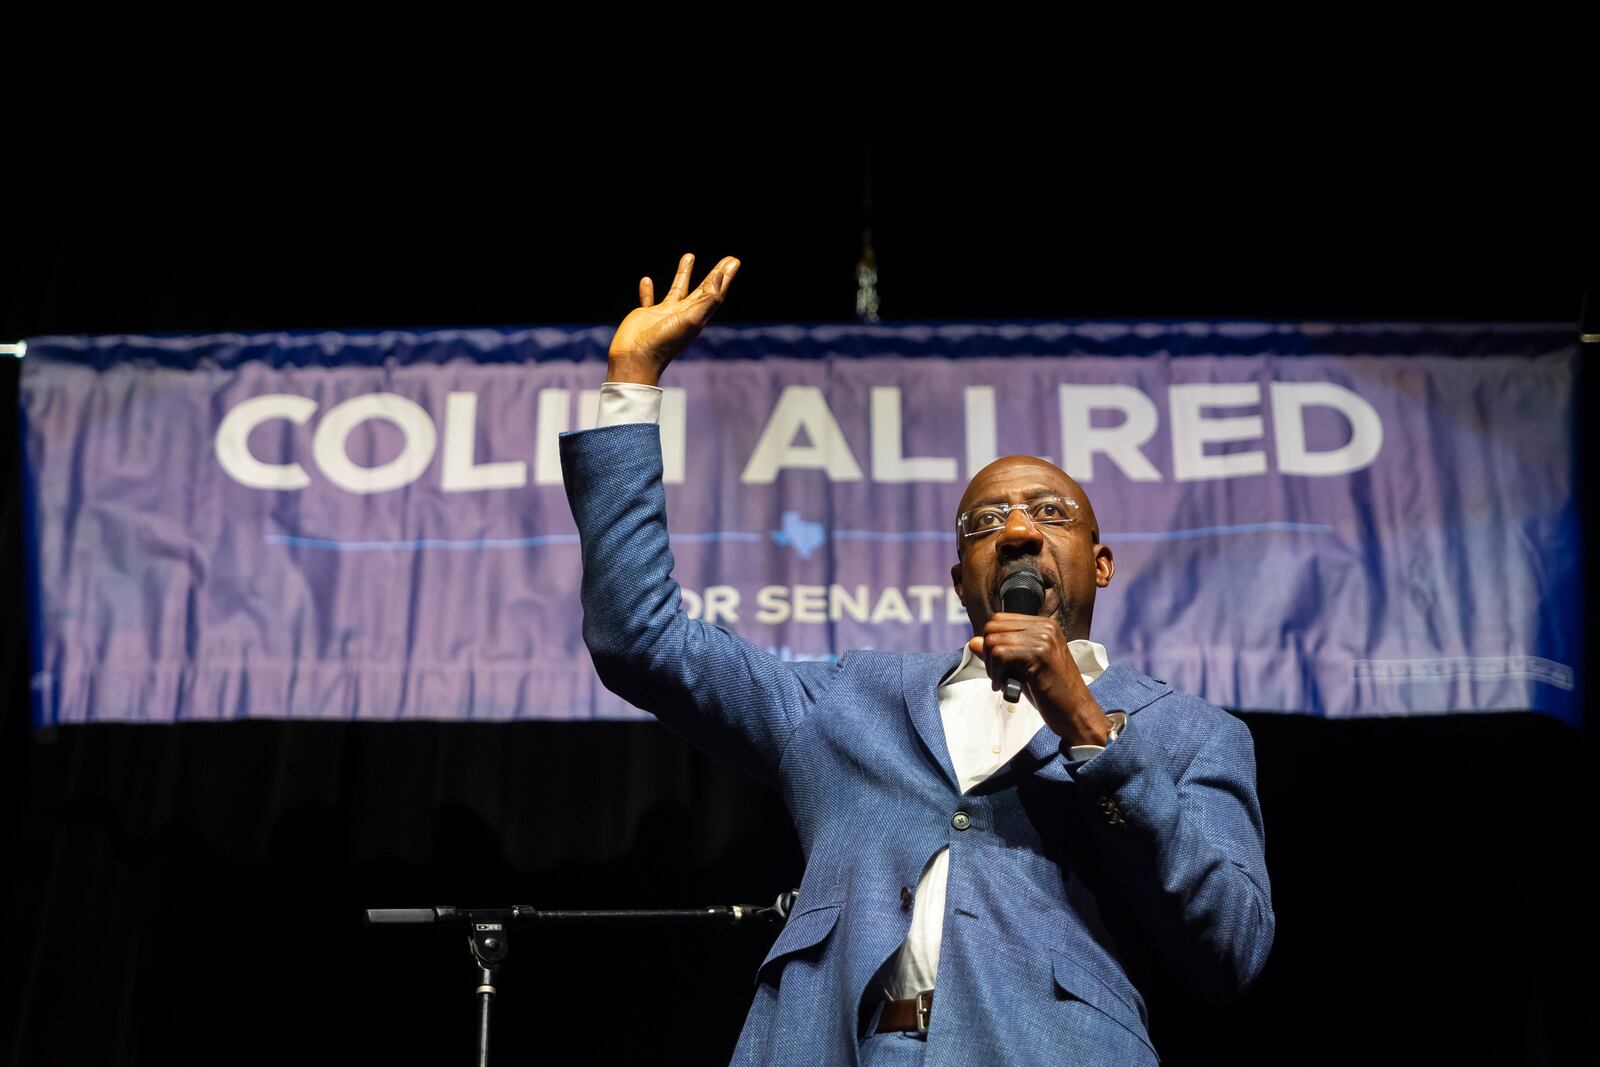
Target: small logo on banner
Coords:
[(804, 536)]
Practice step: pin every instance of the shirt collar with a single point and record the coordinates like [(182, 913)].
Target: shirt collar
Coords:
[(1090, 656)]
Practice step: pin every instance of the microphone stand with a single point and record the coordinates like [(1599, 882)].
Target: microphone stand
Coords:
[(489, 945)]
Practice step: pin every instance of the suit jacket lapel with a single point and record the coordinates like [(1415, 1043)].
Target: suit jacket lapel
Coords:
[(920, 678)]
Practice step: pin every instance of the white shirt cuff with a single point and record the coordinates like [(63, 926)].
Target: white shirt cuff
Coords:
[(627, 402)]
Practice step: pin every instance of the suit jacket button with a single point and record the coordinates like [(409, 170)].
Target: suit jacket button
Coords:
[(905, 896), (961, 820), (1113, 812)]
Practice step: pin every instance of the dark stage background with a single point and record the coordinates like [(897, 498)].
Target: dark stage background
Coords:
[(192, 894)]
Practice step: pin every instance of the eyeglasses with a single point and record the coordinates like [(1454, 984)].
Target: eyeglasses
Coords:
[(1045, 511)]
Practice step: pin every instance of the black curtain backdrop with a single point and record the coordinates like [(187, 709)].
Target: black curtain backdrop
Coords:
[(192, 894)]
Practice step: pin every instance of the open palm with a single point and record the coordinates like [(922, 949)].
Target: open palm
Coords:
[(653, 333)]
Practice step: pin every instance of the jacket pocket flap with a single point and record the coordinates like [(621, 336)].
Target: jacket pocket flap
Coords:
[(1078, 981), (804, 930)]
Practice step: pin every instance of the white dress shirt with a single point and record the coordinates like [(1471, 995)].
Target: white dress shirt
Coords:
[(982, 731)]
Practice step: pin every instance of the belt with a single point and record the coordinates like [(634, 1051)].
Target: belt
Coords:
[(906, 1015)]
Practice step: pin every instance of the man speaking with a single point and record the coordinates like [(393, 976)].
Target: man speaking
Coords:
[(978, 868)]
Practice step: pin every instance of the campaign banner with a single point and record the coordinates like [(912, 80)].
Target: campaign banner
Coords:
[(1337, 520)]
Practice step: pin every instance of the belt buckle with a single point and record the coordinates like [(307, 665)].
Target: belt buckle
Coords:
[(924, 1009)]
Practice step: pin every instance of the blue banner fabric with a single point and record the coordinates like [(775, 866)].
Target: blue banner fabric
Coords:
[(1339, 520)]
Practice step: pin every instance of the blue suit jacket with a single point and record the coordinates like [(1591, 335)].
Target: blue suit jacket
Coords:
[(1062, 870)]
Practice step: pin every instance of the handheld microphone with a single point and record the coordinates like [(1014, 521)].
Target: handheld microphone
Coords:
[(1021, 593)]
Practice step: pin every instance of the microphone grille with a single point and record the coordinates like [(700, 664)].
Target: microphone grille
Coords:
[(1022, 591)]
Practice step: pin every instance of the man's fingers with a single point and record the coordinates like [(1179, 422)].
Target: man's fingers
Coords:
[(647, 292), (1016, 620), (724, 273), (995, 658), (680, 281), (1009, 653), (978, 647), (714, 286), (708, 297)]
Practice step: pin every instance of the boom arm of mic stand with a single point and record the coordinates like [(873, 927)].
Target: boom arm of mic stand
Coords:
[(778, 909)]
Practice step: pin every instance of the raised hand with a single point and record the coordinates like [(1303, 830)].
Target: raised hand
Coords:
[(653, 333)]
